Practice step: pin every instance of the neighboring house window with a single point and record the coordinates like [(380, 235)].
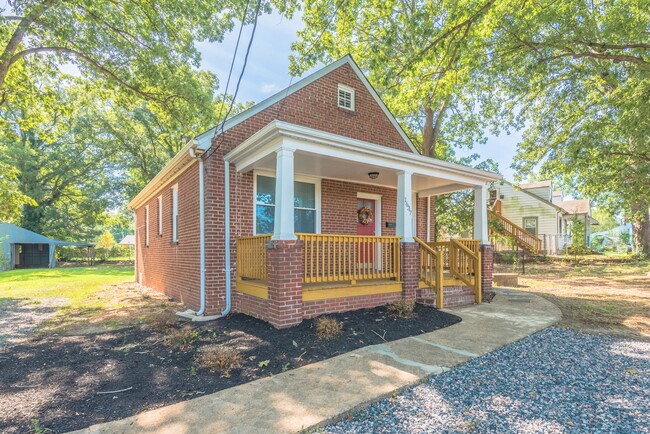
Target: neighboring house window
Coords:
[(530, 225), (175, 213), (305, 205), (346, 97), (160, 225), (493, 197), (146, 226)]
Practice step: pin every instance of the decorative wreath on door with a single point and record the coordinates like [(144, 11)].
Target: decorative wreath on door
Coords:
[(364, 215)]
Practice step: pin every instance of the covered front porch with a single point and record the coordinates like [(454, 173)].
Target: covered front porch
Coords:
[(341, 224)]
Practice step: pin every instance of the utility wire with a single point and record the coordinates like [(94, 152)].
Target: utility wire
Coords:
[(241, 75), (232, 64)]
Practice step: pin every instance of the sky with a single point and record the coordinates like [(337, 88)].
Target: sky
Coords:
[(267, 72)]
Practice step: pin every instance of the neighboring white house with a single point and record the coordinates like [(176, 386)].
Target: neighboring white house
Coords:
[(541, 211)]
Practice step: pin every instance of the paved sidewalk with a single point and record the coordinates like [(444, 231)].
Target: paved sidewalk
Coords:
[(321, 392)]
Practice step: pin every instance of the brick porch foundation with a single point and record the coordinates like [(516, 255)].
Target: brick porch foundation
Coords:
[(487, 266), (410, 270), (284, 270)]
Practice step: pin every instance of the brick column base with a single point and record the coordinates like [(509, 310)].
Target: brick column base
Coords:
[(284, 265), (410, 270), (487, 266)]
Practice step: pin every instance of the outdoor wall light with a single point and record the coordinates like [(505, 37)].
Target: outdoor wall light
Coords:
[(373, 175)]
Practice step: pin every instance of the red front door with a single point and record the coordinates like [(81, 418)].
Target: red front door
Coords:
[(367, 228)]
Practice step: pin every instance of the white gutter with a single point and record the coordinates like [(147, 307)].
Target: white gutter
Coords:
[(197, 153), (227, 269)]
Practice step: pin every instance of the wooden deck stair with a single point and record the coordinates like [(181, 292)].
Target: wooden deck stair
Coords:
[(501, 225)]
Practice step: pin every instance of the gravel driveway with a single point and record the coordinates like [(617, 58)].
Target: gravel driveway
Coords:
[(555, 381)]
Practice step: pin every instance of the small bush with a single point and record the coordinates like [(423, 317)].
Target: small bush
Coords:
[(402, 308), (182, 338), (217, 358), (162, 321), (328, 328)]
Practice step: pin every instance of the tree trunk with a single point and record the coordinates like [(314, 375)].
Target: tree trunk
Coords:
[(641, 230), (428, 145)]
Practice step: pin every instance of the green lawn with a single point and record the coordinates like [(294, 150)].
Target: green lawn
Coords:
[(83, 299), (79, 285)]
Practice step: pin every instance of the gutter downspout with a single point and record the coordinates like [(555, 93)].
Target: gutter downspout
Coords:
[(227, 269), (197, 153)]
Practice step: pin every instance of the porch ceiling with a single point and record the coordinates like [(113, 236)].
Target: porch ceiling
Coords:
[(322, 166), (326, 155)]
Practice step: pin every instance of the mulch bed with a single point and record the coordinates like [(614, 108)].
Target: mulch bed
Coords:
[(52, 382)]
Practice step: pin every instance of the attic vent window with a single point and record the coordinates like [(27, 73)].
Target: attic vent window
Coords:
[(346, 97)]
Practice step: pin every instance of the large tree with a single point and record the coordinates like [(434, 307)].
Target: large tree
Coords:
[(578, 73), (141, 45), (419, 54)]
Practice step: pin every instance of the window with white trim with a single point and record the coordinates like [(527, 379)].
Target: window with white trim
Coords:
[(305, 205), (175, 213), (346, 97), (146, 226), (160, 224)]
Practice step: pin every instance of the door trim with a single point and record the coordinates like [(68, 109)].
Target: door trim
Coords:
[(377, 216)]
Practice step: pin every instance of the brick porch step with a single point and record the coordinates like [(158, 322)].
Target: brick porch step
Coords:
[(455, 295)]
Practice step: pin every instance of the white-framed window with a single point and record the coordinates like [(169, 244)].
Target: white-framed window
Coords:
[(306, 204), (530, 225), (346, 97), (175, 213), (146, 226), (160, 224)]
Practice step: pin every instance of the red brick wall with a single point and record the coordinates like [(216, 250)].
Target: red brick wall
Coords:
[(315, 308), (172, 268)]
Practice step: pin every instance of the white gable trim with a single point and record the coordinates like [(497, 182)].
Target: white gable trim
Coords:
[(205, 138)]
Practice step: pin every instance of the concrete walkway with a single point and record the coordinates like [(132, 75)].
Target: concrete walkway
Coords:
[(321, 392)]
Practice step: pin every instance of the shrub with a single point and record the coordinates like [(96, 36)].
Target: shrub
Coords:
[(182, 338), (162, 321), (402, 308), (217, 358), (327, 328)]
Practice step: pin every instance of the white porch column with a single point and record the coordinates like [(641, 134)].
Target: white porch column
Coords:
[(404, 222), (480, 214), (283, 228)]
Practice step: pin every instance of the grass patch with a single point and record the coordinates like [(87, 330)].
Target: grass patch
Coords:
[(220, 359), (327, 328), (83, 299)]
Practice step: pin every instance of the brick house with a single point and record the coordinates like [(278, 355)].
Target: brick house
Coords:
[(312, 201)]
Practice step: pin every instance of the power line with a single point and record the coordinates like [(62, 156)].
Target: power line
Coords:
[(241, 75), (232, 63)]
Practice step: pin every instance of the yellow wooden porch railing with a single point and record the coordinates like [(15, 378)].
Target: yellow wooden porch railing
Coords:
[(464, 264), (251, 257), (432, 269), (336, 258)]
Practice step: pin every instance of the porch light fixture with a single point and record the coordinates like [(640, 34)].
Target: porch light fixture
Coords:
[(373, 175)]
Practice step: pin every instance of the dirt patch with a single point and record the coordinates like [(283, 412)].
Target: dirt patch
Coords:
[(56, 379), (602, 295)]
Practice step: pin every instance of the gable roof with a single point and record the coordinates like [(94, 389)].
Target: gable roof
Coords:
[(16, 235), (537, 184), (204, 139), (578, 206)]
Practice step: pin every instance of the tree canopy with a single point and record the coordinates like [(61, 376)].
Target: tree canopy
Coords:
[(574, 75)]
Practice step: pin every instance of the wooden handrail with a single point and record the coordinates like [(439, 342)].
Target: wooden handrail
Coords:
[(336, 258), (251, 257), (522, 237), (466, 266), (431, 270)]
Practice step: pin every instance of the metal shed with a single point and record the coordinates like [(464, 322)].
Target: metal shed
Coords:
[(22, 248)]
